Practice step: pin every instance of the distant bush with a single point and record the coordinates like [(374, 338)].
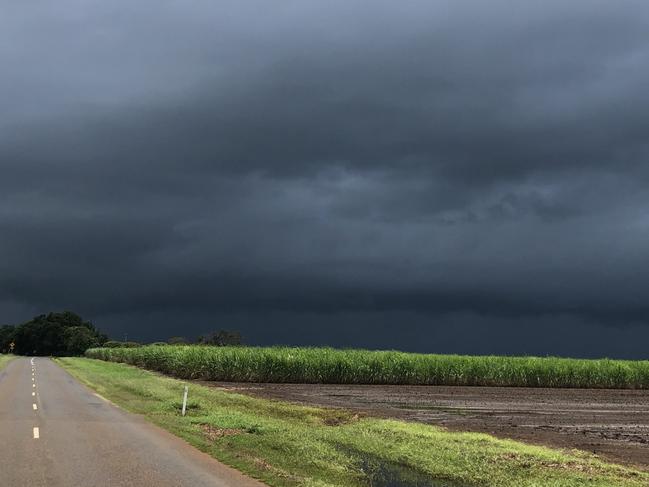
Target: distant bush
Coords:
[(116, 344), (158, 344), (221, 338), (326, 365), (178, 341)]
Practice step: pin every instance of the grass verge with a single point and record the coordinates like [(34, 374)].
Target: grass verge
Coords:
[(290, 445), (331, 366), (4, 360)]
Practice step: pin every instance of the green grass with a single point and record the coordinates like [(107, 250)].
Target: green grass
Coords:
[(4, 359), (286, 445), (326, 365)]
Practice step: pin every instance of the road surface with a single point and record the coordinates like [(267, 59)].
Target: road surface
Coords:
[(54, 432)]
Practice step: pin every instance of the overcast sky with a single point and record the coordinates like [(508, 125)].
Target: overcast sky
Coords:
[(442, 176)]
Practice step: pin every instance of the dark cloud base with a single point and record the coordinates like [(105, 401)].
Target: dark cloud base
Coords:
[(430, 176)]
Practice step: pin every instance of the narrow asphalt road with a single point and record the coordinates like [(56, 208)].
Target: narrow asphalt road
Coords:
[(54, 432)]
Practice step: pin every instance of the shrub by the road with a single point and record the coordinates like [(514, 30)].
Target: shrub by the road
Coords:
[(327, 365)]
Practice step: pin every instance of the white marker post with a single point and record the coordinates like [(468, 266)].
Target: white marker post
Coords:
[(185, 399)]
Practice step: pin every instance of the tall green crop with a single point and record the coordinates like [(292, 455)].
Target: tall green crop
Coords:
[(327, 365)]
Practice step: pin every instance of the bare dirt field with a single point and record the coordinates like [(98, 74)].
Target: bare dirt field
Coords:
[(611, 423)]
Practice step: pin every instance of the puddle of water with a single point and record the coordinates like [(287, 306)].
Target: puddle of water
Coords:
[(386, 474)]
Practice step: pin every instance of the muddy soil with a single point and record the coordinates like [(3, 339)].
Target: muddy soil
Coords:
[(613, 424)]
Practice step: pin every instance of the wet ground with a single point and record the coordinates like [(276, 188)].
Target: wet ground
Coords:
[(382, 474), (611, 423)]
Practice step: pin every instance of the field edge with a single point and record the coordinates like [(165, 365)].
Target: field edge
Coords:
[(287, 445)]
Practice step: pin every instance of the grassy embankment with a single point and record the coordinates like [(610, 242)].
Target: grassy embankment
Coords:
[(289, 445), (4, 360), (325, 365)]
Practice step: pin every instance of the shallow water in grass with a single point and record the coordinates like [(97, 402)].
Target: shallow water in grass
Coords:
[(385, 474)]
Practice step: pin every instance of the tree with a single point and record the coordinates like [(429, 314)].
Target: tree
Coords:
[(64, 333), (221, 338), (116, 344), (78, 339), (178, 341), (6, 337)]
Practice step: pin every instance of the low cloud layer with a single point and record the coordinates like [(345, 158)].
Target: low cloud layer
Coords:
[(437, 176)]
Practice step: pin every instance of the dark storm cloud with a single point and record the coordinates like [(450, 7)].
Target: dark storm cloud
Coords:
[(442, 165)]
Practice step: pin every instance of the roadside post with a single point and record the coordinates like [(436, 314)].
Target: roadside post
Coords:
[(185, 399)]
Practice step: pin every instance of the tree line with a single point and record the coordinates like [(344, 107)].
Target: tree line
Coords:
[(64, 333), (221, 338)]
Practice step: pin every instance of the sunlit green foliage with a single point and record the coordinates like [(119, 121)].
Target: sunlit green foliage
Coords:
[(327, 365)]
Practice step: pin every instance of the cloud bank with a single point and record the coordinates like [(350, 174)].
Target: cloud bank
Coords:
[(437, 176)]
